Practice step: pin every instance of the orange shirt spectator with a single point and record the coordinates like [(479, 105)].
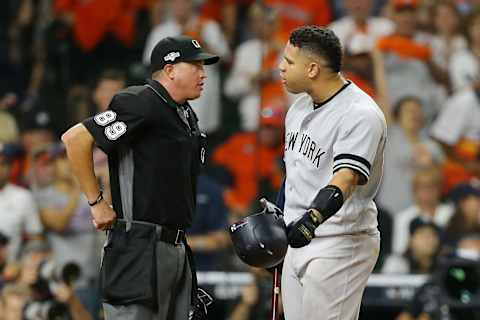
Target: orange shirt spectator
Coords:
[(92, 20), (405, 47), (251, 157), (297, 13)]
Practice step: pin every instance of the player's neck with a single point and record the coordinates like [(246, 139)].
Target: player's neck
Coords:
[(322, 91)]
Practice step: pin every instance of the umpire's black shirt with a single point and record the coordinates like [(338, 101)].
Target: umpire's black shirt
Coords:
[(153, 148)]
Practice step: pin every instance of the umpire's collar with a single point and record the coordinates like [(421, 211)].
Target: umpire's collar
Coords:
[(160, 90)]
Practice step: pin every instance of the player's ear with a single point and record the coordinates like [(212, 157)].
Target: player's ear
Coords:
[(313, 69)]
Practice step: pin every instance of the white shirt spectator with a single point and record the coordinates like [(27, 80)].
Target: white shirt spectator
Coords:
[(18, 216), (464, 68), (247, 63), (351, 36), (402, 220), (459, 119), (395, 193), (207, 107), (443, 52)]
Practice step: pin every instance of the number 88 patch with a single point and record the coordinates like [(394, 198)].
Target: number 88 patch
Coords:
[(113, 131)]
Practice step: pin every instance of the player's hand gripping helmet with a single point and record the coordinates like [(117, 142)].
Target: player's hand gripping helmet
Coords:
[(260, 240)]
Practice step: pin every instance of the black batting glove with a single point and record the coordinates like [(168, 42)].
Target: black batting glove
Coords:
[(301, 231)]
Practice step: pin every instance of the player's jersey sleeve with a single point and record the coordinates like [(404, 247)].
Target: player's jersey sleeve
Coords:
[(357, 144), (118, 125)]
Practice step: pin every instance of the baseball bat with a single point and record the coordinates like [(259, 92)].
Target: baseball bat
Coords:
[(275, 293)]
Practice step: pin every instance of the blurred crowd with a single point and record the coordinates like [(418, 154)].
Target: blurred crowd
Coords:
[(62, 61)]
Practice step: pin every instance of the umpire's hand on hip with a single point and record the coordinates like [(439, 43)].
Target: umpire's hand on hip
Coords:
[(103, 215), (301, 231)]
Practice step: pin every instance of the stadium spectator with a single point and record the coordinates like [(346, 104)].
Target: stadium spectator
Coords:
[(186, 20), (421, 254), (408, 148), (253, 160), (18, 211), (254, 79), (427, 189)]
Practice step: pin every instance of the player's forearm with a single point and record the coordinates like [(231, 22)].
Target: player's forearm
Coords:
[(345, 179), (79, 145)]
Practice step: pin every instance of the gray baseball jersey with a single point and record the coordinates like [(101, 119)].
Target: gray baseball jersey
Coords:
[(347, 131)]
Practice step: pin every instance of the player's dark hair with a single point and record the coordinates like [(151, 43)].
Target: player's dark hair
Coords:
[(320, 41)]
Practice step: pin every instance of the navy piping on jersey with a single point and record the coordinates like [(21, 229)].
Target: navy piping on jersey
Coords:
[(351, 166), (353, 157), (318, 105)]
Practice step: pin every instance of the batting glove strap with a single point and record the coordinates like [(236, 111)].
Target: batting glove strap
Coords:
[(301, 231)]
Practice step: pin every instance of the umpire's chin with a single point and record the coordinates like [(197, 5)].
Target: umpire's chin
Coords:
[(196, 92)]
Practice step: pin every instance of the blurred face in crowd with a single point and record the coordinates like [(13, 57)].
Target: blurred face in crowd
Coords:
[(358, 9), (188, 78), (263, 23), (427, 188), (182, 10), (44, 170), (30, 264), (13, 306), (424, 241), (3, 255), (104, 92), (410, 116), (405, 21), (446, 19), (4, 171), (474, 30), (31, 139), (269, 135), (63, 170), (470, 207)]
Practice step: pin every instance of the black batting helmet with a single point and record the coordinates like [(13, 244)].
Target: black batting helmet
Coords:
[(260, 240)]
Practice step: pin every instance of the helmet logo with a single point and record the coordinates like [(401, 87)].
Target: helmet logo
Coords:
[(196, 44), (234, 227), (172, 56)]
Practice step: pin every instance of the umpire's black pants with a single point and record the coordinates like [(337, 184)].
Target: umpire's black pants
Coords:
[(174, 286)]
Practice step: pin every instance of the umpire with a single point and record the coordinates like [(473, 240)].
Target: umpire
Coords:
[(155, 149)]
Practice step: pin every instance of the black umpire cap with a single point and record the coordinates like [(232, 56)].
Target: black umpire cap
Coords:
[(171, 50)]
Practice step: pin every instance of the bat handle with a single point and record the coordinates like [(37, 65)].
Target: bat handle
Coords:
[(275, 293)]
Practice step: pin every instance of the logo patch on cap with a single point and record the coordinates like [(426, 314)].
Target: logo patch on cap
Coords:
[(196, 44), (172, 56)]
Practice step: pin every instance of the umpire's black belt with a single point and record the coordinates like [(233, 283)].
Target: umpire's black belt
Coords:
[(168, 235)]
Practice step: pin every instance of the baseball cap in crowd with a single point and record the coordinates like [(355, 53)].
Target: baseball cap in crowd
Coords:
[(405, 4), (273, 115), (4, 239), (420, 223), (10, 151), (171, 50), (463, 191)]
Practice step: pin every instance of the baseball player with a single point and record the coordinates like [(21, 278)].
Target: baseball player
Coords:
[(335, 137)]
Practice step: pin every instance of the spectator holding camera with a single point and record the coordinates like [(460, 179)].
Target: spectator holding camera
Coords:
[(13, 299), (445, 289), (18, 211), (65, 214)]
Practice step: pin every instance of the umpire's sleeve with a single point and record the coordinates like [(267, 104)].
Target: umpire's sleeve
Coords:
[(119, 124)]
